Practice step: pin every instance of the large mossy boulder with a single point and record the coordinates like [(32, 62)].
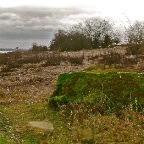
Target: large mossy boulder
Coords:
[(106, 91)]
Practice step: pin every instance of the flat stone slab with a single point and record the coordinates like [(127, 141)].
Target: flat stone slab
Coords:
[(42, 125)]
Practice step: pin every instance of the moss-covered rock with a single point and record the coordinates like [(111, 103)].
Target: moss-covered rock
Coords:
[(108, 91)]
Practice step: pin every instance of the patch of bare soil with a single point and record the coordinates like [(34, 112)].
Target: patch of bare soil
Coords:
[(36, 81)]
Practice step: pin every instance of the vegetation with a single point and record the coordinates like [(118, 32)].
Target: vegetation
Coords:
[(88, 106), (90, 96), (93, 33), (135, 33), (100, 90), (135, 36), (97, 33), (11, 61), (70, 41), (38, 48), (105, 97)]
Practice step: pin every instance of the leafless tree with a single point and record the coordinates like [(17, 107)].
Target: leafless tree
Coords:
[(135, 33)]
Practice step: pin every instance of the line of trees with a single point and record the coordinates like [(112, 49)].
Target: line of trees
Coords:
[(37, 48), (94, 33), (98, 33)]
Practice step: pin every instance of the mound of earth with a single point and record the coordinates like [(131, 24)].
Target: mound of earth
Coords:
[(107, 90)]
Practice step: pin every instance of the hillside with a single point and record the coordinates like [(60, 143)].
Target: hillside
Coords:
[(28, 80)]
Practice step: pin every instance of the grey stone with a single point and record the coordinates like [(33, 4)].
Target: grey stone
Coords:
[(44, 125)]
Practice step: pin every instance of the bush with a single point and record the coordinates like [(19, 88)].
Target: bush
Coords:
[(111, 58), (38, 48), (53, 61), (76, 60), (2, 94), (135, 49), (69, 41)]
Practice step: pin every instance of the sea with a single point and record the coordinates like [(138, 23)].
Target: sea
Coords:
[(2, 50), (5, 51)]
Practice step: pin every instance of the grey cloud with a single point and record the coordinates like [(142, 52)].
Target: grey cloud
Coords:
[(9, 16), (37, 24)]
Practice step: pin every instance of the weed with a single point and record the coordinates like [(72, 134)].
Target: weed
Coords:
[(135, 49), (111, 58), (76, 60), (2, 94)]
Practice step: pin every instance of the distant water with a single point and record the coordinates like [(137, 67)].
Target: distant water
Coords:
[(5, 51)]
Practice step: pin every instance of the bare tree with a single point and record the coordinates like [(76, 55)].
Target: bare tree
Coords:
[(101, 32), (135, 38), (135, 33)]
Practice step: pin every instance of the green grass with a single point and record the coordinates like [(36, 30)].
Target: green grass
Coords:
[(84, 111), (100, 106), (109, 90), (72, 124), (3, 140)]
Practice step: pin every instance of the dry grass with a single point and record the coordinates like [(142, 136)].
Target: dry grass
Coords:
[(28, 79)]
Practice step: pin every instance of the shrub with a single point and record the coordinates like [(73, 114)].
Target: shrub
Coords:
[(38, 48), (111, 58), (135, 49), (10, 66), (76, 60), (2, 94), (54, 60)]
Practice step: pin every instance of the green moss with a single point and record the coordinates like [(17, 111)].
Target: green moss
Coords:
[(113, 90)]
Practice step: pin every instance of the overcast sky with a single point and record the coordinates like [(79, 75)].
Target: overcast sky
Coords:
[(28, 21)]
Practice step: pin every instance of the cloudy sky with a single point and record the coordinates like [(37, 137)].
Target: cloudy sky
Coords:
[(28, 21)]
